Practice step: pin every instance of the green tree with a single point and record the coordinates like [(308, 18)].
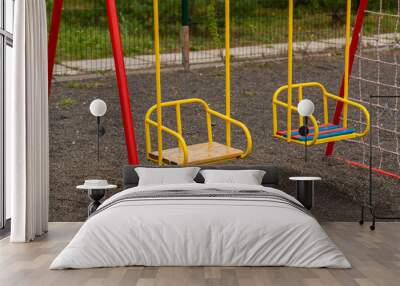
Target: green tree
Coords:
[(212, 22)]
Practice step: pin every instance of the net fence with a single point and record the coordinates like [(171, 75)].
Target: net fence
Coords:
[(258, 28), (375, 84)]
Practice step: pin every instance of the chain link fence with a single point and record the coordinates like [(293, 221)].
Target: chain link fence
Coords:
[(258, 27)]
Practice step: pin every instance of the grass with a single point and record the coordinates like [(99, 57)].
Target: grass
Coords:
[(84, 85), (66, 102), (249, 93), (84, 33)]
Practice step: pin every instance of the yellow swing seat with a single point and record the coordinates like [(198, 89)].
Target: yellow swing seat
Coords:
[(326, 133), (196, 154), (319, 133)]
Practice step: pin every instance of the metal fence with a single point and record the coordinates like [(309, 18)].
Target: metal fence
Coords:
[(258, 28)]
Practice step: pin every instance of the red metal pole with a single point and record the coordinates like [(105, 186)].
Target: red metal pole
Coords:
[(53, 38), (353, 49), (122, 82)]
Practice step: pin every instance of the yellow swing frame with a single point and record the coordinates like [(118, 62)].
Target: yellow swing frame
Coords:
[(326, 95), (204, 153)]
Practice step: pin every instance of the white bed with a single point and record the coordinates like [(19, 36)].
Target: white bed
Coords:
[(201, 231)]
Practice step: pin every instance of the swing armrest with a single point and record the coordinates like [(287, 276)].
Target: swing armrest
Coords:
[(356, 105), (239, 124), (312, 119), (298, 86), (179, 138)]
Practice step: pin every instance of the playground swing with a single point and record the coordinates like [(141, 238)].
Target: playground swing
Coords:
[(319, 133), (203, 153)]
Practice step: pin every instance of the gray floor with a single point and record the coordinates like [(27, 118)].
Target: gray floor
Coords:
[(375, 257)]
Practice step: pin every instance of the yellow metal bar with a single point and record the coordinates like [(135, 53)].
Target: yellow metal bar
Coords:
[(300, 98), (305, 84), (290, 70), (326, 112), (347, 62), (209, 128), (181, 141), (148, 139), (356, 105), (147, 133), (298, 85), (246, 131), (209, 113), (178, 120), (274, 117), (337, 138), (158, 81), (179, 101), (227, 72)]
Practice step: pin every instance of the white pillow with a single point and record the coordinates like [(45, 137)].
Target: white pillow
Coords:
[(246, 177), (166, 176)]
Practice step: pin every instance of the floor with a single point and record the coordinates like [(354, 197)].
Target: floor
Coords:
[(375, 257)]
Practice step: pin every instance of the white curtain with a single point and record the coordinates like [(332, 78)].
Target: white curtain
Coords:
[(27, 148)]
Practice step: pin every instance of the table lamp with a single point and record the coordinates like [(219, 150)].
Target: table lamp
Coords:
[(306, 109), (98, 108)]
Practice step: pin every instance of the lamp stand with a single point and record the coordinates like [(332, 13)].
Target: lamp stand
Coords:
[(371, 206), (304, 131), (98, 142), (306, 134)]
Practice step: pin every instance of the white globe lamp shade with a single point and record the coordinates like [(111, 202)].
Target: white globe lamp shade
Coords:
[(98, 108), (306, 107)]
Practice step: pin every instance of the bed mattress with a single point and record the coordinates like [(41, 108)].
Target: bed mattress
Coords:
[(201, 225)]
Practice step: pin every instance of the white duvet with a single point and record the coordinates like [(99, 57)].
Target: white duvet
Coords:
[(200, 231)]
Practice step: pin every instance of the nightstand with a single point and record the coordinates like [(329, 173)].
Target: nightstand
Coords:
[(305, 190), (96, 190)]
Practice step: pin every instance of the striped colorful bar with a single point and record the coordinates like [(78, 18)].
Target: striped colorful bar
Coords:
[(325, 131)]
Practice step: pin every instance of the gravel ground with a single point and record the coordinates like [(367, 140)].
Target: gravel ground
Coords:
[(73, 144)]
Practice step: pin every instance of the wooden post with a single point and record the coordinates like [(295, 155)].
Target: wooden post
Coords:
[(185, 35)]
